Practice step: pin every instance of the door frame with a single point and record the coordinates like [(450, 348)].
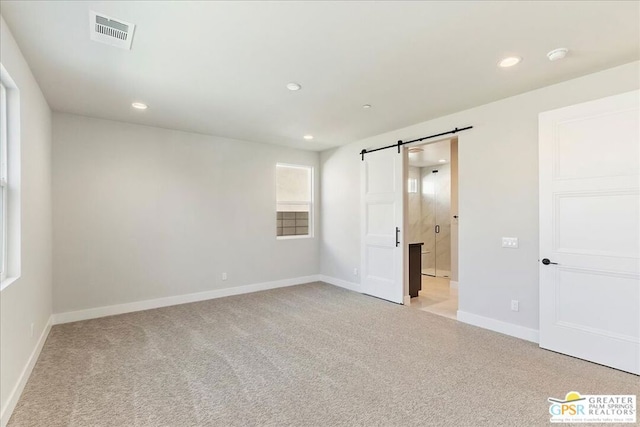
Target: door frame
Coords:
[(405, 213)]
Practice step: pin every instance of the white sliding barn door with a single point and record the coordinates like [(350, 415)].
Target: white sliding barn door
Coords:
[(381, 237), (589, 226)]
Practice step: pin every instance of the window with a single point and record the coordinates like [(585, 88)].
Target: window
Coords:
[(412, 187), (3, 181), (294, 201), (9, 180)]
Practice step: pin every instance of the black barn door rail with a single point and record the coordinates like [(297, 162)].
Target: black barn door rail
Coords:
[(401, 143)]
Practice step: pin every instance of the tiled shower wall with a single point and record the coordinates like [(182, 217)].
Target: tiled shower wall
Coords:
[(429, 207), (292, 223), (436, 210)]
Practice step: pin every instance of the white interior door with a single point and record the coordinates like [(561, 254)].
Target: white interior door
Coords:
[(589, 226), (381, 237)]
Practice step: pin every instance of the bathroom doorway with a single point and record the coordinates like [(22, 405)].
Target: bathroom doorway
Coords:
[(432, 221)]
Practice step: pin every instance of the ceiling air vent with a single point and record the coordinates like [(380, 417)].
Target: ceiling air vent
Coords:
[(113, 32)]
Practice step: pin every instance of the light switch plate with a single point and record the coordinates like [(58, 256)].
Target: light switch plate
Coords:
[(510, 242)]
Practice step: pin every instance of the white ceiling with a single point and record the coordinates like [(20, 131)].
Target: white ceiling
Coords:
[(221, 68), (431, 154)]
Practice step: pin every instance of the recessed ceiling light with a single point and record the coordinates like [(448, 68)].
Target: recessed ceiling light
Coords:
[(556, 54), (442, 161), (416, 150), (509, 61), (308, 137), (365, 106), (293, 86), (139, 106)]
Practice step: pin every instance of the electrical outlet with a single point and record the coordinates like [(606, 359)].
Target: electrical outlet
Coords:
[(355, 271), (224, 276), (515, 305), (31, 333), (510, 242)]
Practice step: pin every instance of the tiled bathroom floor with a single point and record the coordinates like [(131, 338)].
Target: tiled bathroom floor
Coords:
[(437, 297)]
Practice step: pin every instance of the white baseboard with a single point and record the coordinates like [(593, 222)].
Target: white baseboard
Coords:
[(499, 326), (453, 284), (406, 300), (340, 283), (15, 394), (94, 313)]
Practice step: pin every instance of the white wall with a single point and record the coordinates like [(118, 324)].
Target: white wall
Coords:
[(143, 213), (494, 201), (27, 300)]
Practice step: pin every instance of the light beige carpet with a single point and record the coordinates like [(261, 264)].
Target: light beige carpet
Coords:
[(310, 355)]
